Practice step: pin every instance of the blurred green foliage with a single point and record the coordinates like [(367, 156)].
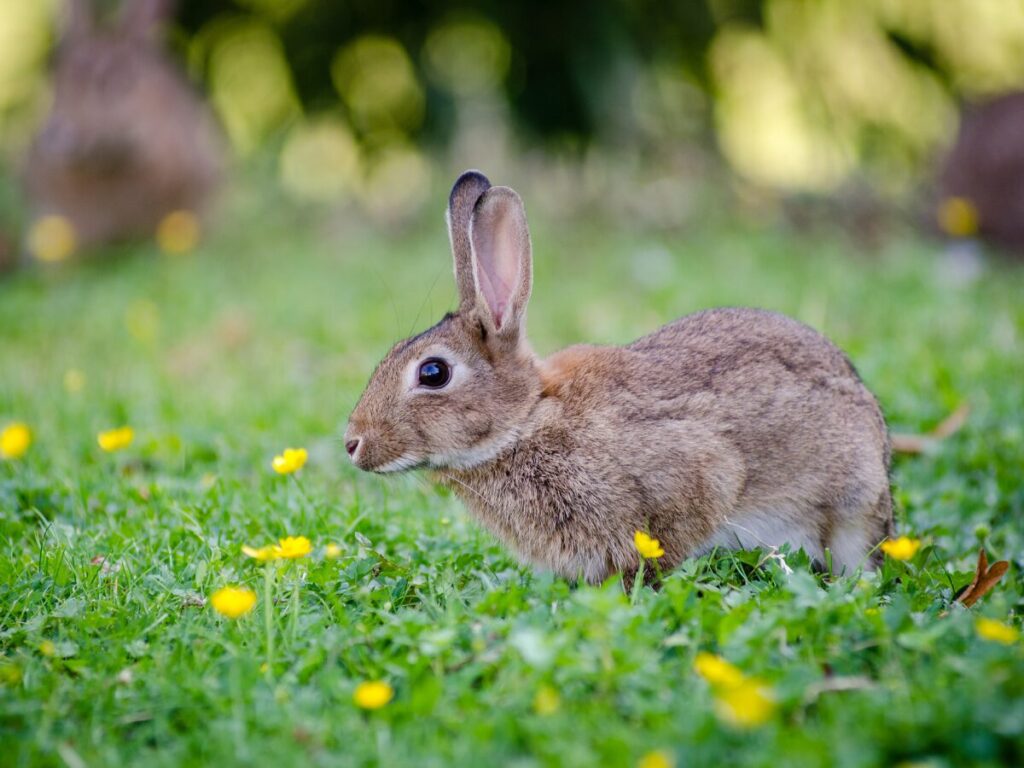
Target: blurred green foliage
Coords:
[(360, 99), (799, 92)]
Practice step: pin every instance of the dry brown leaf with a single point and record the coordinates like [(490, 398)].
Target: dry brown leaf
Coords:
[(985, 577), (914, 444)]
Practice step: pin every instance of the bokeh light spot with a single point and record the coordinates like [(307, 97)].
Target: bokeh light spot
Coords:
[(320, 159), (250, 81), (467, 56), (142, 320), (178, 232), (397, 182), (378, 84), (958, 217), (52, 239)]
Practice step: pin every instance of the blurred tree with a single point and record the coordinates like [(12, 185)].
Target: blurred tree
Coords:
[(564, 55), (797, 94)]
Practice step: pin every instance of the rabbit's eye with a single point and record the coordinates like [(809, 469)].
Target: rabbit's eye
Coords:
[(434, 373)]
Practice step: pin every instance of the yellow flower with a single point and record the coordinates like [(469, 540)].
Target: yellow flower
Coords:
[(233, 602), (546, 701), (716, 670), (115, 439), (958, 217), (373, 695), (292, 460), (659, 758), (332, 551), (262, 553), (996, 631), (293, 547), (902, 548), (739, 700), (74, 381), (142, 320), (746, 705), (646, 546), (15, 440), (52, 238), (47, 648), (9, 674), (178, 232)]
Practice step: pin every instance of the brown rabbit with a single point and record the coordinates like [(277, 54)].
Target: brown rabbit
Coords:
[(729, 427), (127, 140)]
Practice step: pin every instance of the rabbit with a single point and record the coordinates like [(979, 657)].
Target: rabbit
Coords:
[(733, 428), (127, 140), (985, 168)]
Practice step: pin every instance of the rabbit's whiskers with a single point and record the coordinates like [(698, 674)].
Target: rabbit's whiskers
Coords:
[(469, 488)]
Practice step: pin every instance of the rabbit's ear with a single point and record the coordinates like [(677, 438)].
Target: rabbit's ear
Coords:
[(502, 262), (467, 190), (140, 18), (77, 21)]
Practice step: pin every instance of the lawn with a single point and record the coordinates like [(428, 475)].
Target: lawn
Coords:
[(110, 653)]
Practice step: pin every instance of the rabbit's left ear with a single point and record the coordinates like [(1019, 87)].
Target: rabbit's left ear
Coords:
[(502, 260), (465, 194), (140, 18)]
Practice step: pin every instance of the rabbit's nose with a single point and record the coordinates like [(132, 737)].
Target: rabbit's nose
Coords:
[(352, 446)]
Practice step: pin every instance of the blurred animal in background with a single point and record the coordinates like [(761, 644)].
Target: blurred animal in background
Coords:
[(129, 148), (981, 186)]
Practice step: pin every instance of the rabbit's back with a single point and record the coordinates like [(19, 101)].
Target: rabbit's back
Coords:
[(728, 427), (811, 437), (752, 370)]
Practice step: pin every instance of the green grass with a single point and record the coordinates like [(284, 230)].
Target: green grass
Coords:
[(263, 340)]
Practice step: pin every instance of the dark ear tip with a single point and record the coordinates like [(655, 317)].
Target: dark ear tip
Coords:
[(470, 180), (497, 196)]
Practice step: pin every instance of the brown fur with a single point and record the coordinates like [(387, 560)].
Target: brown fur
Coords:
[(729, 427), (127, 140)]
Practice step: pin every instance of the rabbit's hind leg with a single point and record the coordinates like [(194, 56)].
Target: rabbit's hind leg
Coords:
[(854, 541)]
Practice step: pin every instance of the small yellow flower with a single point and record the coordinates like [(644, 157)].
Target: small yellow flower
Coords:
[(958, 217), (332, 551), (996, 631), (373, 695), (646, 546), (292, 460), (142, 320), (15, 440), (52, 239), (546, 701), (47, 648), (261, 553), (746, 705), (74, 381), (902, 548), (659, 758), (233, 602), (115, 439), (178, 232), (293, 547), (9, 674), (716, 670)]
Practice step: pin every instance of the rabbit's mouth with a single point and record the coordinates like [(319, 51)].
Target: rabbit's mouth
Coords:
[(401, 464), (361, 455)]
